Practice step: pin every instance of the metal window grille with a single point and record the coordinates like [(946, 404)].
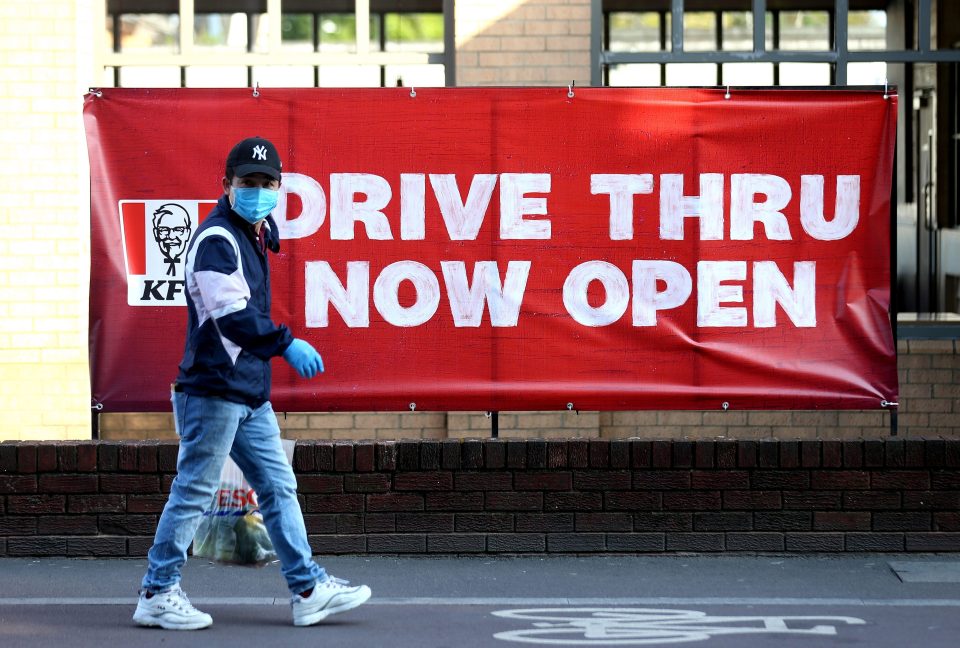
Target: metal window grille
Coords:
[(269, 52)]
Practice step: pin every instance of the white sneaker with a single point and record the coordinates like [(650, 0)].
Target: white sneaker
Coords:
[(170, 610), (329, 597)]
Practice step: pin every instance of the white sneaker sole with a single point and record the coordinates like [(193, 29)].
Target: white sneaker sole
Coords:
[(150, 621), (318, 616)]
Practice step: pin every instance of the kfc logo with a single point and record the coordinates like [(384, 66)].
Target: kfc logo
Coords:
[(155, 235)]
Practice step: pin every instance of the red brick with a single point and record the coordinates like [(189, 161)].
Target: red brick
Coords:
[(364, 456), (73, 484), (366, 483), (631, 501), (640, 453), (394, 502), (902, 479), (605, 480), (574, 501), (556, 454), (841, 521), (320, 483), (619, 454), (343, 457), (495, 454), (682, 454), (853, 454), (27, 458), (663, 522), (661, 479), (513, 501), (8, 457), (97, 546), (36, 504), (145, 503), (832, 454), (661, 454), (810, 454), (86, 457), (471, 454), (536, 453), (517, 454), (483, 481), (599, 453), (127, 461), (423, 481), (336, 503), (751, 500), (108, 456), (613, 522), (544, 522), (142, 484), (542, 480), (840, 480), (67, 525), (304, 458), (871, 500), (578, 453), (47, 457), (18, 484), (483, 522), (128, 524), (913, 521), (719, 479), (96, 503), (386, 453), (823, 500), (747, 454), (691, 501), (454, 501), (726, 454), (768, 454)]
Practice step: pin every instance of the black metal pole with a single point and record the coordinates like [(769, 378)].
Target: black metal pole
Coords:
[(894, 306), (494, 424)]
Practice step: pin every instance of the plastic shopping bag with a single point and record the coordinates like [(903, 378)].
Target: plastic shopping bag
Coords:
[(232, 529)]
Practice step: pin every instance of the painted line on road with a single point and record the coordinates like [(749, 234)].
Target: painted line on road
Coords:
[(493, 601)]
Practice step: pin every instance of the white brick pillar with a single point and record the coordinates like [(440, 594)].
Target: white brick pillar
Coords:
[(45, 50), (522, 42)]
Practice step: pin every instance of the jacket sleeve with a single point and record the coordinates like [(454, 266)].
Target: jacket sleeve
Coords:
[(225, 296)]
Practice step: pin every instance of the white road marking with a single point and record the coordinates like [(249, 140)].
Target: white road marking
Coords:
[(644, 626), (499, 601)]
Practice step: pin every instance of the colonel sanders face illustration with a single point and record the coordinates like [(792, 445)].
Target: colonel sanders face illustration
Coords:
[(171, 230)]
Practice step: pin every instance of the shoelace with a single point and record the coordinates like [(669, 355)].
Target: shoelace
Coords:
[(332, 582), (178, 599)]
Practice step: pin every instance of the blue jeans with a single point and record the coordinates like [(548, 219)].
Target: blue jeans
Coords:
[(209, 429)]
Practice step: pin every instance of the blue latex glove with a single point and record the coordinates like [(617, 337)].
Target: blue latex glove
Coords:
[(304, 358)]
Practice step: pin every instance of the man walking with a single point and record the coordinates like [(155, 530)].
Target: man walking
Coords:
[(221, 400)]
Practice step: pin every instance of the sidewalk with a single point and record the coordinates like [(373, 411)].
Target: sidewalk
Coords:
[(862, 600)]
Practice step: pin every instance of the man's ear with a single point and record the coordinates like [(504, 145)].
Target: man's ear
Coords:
[(226, 184)]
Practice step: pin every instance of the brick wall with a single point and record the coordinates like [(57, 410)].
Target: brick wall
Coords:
[(522, 42), (44, 259), (929, 407), (519, 496)]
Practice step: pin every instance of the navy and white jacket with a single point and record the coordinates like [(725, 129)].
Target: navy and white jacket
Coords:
[(230, 336)]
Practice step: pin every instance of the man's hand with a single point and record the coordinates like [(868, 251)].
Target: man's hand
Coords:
[(304, 358)]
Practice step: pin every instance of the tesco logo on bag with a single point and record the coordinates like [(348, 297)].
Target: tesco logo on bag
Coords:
[(235, 502)]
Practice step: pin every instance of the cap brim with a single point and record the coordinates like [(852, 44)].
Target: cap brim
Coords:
[(249, 169)]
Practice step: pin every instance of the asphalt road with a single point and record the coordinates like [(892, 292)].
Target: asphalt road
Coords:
[(707, 601)]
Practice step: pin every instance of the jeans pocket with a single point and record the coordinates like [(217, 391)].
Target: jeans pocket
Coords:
[(179, 402)]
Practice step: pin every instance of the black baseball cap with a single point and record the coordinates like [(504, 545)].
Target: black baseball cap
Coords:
[(254, 155)]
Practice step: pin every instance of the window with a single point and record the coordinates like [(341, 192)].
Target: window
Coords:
[(288, 43), (810, 43)]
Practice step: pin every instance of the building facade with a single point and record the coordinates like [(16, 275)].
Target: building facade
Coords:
[(52, 51)]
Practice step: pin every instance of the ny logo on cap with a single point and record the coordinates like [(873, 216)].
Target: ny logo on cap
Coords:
[(260, 153)]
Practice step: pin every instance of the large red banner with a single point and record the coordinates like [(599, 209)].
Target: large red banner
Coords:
[(517, 249)]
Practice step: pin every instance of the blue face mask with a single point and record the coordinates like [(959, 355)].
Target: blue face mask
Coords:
[(253, 203)]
